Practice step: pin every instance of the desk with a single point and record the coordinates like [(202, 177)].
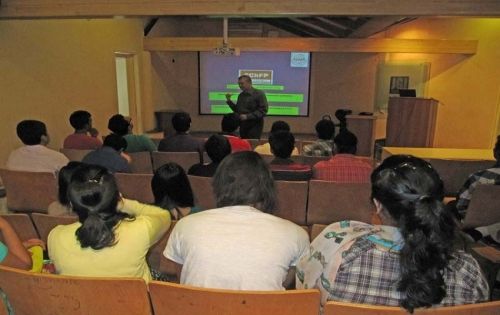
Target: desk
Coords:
[(441, 153)]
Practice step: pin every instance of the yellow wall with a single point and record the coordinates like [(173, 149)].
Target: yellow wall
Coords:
[(49, 68), (467, 86)]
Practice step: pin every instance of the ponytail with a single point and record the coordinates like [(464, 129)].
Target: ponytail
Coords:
[(428, 232), (94, 197), (411, 191)]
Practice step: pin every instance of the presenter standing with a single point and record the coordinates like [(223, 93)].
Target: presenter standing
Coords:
[(251, 107)]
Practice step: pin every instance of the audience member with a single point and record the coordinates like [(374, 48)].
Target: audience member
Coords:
[(409, 261), (34, 156), (81, 121), (62, 206), (344, 167), (240, 245), (325, 129), (265, 148), (172, 191), (122, 126), (109, 156), (230, 123), (217, 147), (282, 167), (113, 234), (490, 176), (182, 141), (13, 251)]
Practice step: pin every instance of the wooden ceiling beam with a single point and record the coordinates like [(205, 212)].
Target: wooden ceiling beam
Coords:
[(314, 45), (256, 8)]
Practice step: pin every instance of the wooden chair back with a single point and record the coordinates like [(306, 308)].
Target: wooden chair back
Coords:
[(484, 207), (184, 159), (21, 223), (203, 192), (45, 294), (316, 229), (155, 257), (343, 308), (169, 298), (292, 201), (29, 191), (332, 202), (141, 163), (135, 186), (454, 173), (44, 223), (75, 154)]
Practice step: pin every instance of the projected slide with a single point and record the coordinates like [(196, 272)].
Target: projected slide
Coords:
[(283, 76)]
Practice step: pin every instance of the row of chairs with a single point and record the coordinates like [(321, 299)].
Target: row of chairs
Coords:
[(147, 162), (30, 293)]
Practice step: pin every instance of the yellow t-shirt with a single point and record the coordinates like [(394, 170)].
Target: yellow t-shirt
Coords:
[(127, 258)]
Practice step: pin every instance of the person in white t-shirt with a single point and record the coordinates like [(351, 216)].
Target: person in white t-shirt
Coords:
[(34, 156), (240, 245)]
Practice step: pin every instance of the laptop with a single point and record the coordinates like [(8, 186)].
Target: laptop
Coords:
[(407, 93)]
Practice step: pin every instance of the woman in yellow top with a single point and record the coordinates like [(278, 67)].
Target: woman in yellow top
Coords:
[(113, 235)]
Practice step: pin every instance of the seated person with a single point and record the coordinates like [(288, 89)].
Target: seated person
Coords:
[(172, 191), (62, 206), (81, 121), (490, 176), (182, 141), (240, 245), (112, 235), (217, 147), (282, 167), (122, 126), (13, 252), (230, 123), (344, 166), (409, 261), (109, 156), (325, 129), (280, 125), (34, 156)]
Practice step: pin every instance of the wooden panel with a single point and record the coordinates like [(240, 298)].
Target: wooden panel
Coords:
[(71, 8), (292, 201), (411, 122), (141, 163), (22, 225), (203, 192), (43, 294), (169, 298), (484, 207), (364, 129), (314, 44), (135, 186), (44, 223), (342, 308)]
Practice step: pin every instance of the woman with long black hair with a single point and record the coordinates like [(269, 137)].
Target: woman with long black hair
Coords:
[(409, 261)]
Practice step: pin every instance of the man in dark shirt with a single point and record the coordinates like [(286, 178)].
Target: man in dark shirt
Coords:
[(282, 167), (251, 106), (182, 141), (109, 156), (217, 147)]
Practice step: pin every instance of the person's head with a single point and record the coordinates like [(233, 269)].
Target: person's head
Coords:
[(217, 147), (325, 129), (496, 150), (94, 197), (115, 141), (280, 125), (63, 180), (229, 123), (171, 188), (408, 193), (245, 82), (32, 132), (119, 125), (243, 178), (282, 144), (81, 120), (346, 142), (181, 121)]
